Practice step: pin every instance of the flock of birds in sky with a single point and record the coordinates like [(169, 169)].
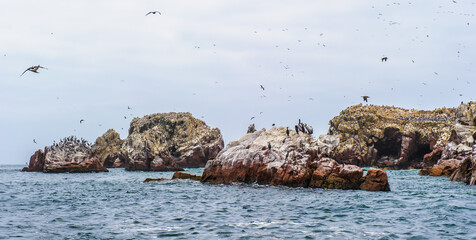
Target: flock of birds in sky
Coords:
[(302, 127)]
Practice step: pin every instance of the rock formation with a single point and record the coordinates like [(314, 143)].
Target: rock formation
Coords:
[(457, 157), (389, 137), (69, 155), (170, 142), (271, 157), (466, 171), (444, 167), (182, 175), (108, 149)]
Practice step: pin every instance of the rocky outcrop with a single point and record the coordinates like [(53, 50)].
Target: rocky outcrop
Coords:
[(466, 171), (69, 155), (155, 180), (272, 157), (37, 161), (108, 149), (375, 180), (170, 142), (182, 175), (444, 167), (389, 137)]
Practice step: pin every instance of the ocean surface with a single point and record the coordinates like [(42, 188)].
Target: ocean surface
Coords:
[(118, 205)]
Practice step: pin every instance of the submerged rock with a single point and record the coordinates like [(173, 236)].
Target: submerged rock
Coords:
[(182, 175), (69, 155), (170, 142), (272, 157), (155, 180)]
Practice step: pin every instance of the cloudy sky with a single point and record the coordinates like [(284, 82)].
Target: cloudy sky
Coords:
[(314, 58)]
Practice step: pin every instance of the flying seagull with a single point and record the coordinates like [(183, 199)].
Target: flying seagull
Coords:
[(33, 69), (34, 141), (81, 121), (384, 59), (261, 87), (154, 12), (365, 98)]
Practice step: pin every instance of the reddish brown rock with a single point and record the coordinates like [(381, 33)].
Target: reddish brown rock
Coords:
[(329, 174), (375, 180), (37, 161), (444, 167), (433, 157)]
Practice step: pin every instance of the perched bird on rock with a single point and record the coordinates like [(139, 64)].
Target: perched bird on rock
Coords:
[(33, 69), (287, 131), (297, 129), (269, 145), (154, 12), (365, 98)]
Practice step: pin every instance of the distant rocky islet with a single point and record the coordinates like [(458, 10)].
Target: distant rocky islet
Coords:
[(440, 142)]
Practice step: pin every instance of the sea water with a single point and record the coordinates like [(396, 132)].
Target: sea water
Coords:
[(118, 205)]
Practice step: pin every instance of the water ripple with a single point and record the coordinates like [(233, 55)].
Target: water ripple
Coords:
[(117, 205)]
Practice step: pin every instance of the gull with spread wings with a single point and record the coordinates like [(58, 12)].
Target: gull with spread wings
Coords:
[(33, 69)]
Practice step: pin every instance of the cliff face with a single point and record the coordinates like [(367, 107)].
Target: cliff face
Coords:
[(389, 137), (69, 155), (273, 157), (170, 142)]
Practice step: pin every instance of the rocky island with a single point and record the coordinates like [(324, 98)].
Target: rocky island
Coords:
[(69, 155), (397, 138), (281, 157), (161, 142)]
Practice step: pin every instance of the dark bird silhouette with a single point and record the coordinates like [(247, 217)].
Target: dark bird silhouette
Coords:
[(33, 69), (252, 118), (154, 12), (297, 129), (125, 117), (81, 121), (287, 131), (129, 107), (273, 124), (365, 98), (261, 87), (34, 141), (384, 59), (269, 145)]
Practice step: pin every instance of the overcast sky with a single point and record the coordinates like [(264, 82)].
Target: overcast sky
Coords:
[(314, 58)]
